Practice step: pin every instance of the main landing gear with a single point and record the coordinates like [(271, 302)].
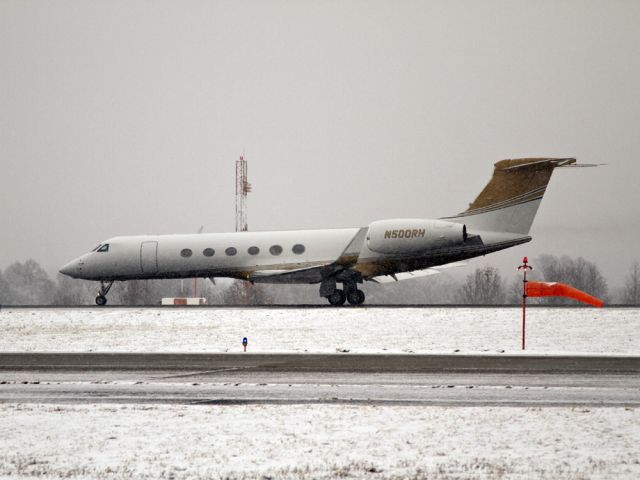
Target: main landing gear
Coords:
[(355, 297), (338, 297), (350, 294), (101, 299)]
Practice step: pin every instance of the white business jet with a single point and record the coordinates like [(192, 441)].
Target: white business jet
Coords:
[(384, 251)]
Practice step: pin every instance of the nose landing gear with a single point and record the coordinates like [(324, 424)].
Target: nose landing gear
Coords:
[(101, 299)]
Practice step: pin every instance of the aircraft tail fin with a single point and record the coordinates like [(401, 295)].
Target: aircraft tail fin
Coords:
[(509, 202)]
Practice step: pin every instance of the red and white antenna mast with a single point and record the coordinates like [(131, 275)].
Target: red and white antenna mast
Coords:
[(243, 187)]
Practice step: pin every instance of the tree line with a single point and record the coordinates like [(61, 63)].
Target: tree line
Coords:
[(486, 286), (29, 284)]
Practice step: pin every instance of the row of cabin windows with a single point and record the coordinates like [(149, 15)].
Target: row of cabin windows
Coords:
[(298, 249)]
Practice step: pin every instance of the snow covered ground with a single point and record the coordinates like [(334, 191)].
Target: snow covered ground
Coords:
[(319, 441), (140, 441), (557, 330)]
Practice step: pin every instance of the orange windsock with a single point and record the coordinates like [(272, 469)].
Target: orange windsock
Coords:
[(552, 289)]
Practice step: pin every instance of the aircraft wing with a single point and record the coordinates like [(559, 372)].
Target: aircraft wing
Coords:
[(315, 273), (397, 277)]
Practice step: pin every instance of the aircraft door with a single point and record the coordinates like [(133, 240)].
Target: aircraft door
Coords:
[(149, 257)]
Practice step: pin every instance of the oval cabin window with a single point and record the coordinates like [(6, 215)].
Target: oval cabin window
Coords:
[(253, 250), (298, 249), (275, 250), (231, 251), (208, 252), (186, 252)]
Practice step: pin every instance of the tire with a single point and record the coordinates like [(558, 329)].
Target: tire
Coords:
[(356, 297), (337, 298), (101, 300)]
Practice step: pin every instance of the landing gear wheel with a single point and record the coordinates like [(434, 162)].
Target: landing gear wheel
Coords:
[(337, 298), (355, 297), (105, 286)]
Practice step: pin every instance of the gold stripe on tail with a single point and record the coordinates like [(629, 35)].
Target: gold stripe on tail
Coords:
[(516, 181)]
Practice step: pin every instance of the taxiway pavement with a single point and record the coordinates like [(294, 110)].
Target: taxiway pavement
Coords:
[(444, 380)]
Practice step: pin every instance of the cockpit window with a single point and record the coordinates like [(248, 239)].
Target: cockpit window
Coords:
[(104, 248), (96, 248)]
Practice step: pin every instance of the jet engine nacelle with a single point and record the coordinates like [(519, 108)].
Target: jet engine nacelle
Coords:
[(412, 235)]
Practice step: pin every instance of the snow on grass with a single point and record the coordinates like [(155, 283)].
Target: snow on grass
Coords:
[(549, 330), (317, 441)]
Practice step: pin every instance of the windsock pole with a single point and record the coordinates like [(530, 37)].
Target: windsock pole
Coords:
[(524, 267)]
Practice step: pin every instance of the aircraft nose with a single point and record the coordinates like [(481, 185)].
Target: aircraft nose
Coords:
[(71, 269)]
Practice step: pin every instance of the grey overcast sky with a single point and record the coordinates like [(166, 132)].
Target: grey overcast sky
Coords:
[(126, 117)]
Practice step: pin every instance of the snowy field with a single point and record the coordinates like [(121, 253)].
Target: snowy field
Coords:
[(317, 442), (323, 441), (446, 330)]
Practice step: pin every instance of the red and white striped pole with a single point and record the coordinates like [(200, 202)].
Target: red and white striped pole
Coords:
[(524, 267)]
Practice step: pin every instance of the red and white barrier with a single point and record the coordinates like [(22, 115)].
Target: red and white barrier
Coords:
[(184, 301)]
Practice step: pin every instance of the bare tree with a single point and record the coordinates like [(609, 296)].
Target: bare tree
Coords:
[(483, 287), (139, 292), (292, 294), (5, 291), (70, 291), (514, 290), (631, 290), (434, 289), (240, 292), (28, 284)]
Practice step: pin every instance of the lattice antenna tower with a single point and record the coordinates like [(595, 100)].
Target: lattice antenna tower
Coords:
[(243, 187)]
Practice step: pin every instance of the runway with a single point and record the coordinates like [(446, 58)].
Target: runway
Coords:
[(395, 379), (322, 363)]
